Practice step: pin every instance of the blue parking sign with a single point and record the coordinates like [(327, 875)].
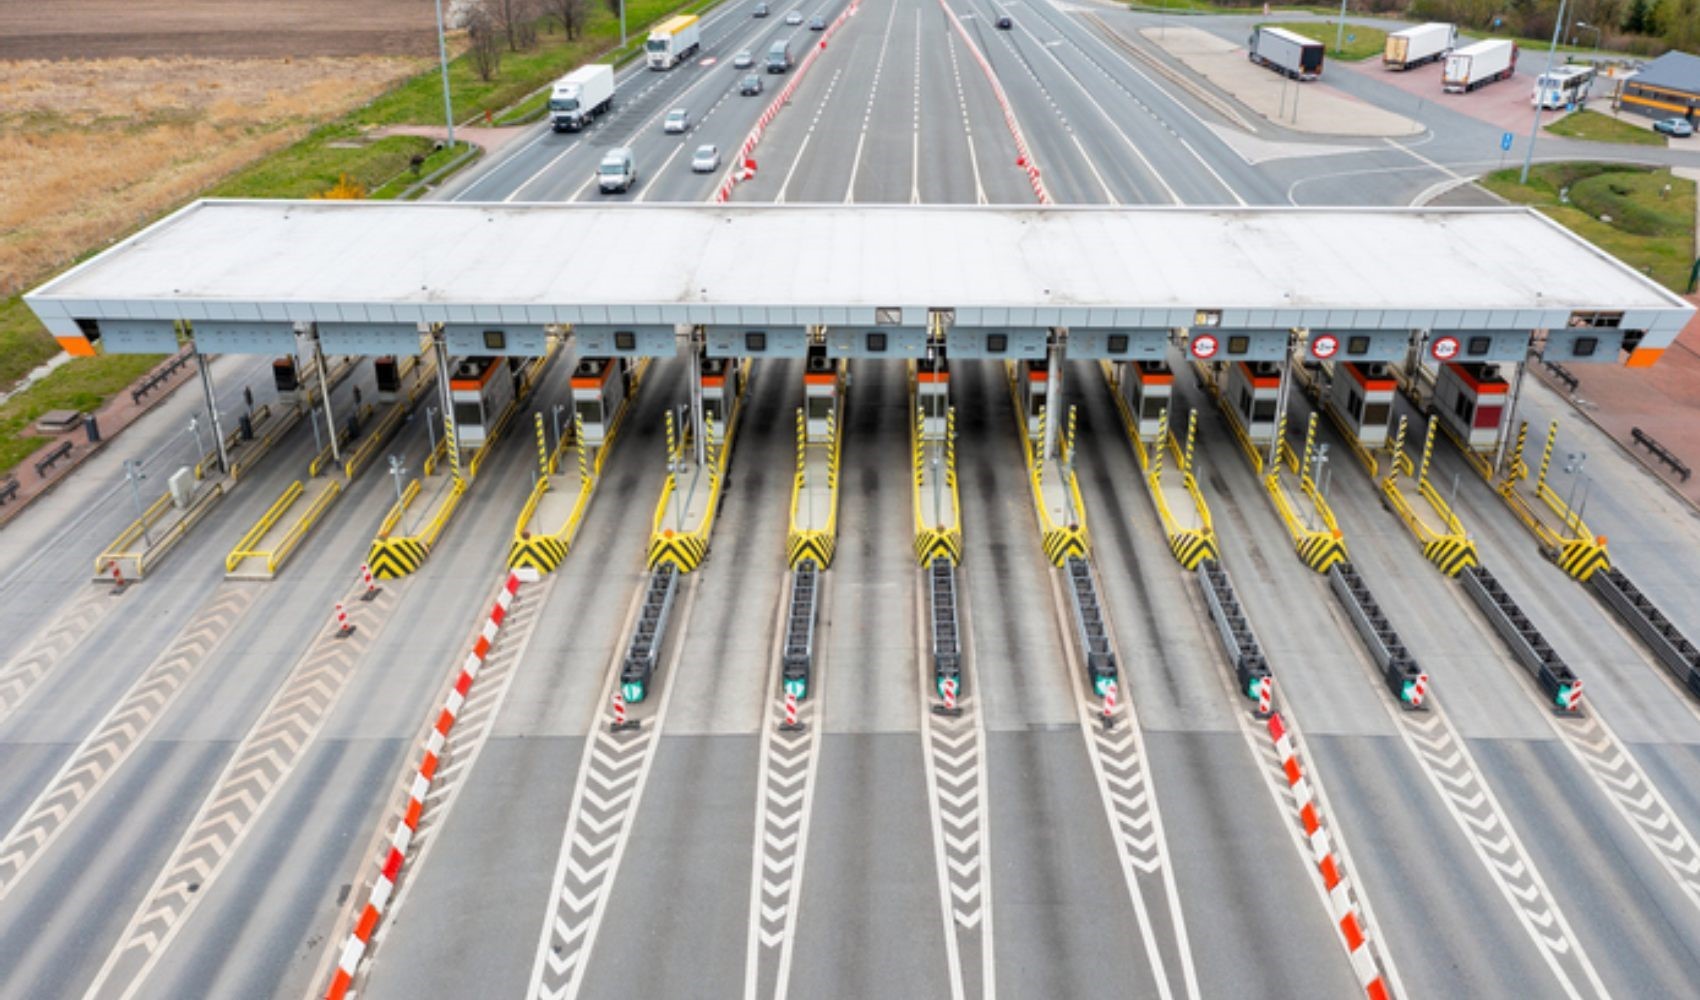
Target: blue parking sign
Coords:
[(1505, 141)]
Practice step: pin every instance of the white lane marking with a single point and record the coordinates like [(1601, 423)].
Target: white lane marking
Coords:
[(684, 144), (826, 98), (545, 168), (868, 112), (967, 126), (1418, 156), (915, 144), (1109, 119), (1446, 761), (575, 918), (786, 759), (1130, 803)]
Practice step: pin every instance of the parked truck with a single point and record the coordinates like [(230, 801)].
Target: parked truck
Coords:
[(580, 96), (674, 41), (1285, 52), (1479, 65), (1424, 43)]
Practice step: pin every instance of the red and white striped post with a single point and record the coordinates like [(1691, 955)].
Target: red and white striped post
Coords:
[(372, 589), (947, 689), (1265, 696), (620, 721), (1419, 690), (1109, 705), (1574, 702), (792, 723), (343, 628), (119, 584)]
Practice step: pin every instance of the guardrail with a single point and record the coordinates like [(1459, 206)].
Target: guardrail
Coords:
[(1399, 669), (798, 660), (244, 548), (1101, 671), (1673, 649), (946, 631), (1660, 452), (1525, 641), (1251, 670), (643, 652)]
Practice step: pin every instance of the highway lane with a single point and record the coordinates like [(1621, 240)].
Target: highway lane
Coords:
[(695, 826), (1205, 778), (493, 851)]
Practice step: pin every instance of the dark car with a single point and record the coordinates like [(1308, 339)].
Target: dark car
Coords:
[(761, 10), (817, 23), (751, 85), (1004, 23)]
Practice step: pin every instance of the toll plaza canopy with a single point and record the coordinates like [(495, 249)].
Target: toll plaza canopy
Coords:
[(1169, 267)]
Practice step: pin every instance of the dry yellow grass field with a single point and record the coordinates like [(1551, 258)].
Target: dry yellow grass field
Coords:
[(91, 149)]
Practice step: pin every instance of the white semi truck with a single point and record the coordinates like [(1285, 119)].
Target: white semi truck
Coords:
[(1285, 52), (1415, 46), (676, 40), (1478, 65), (580, 96)]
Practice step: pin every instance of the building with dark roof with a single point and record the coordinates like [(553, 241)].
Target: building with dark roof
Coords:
[(1668, 87)]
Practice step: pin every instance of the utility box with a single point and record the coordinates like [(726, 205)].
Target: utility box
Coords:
[(182, 485)]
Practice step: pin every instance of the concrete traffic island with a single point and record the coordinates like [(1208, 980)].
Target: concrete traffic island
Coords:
[(1312, 108)]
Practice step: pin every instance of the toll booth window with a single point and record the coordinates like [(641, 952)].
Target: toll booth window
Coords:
[(1357, 346), (1479, 346), (495, 340), (1239, 345), (1584, 347), (1245, 400), (934, 405), (1118, 343), (589, 411), (469, 414), (713, 408), (876, 343), (1263, 412), (819, 407), (1463, 408), (1152, 407), (755, 342), (1377, 414), (997, 343), (1487, 416), (1354, 403), (625, 340)]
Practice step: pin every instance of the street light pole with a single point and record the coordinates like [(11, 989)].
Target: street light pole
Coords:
[(1529, 154), (133, 473), (443, 59), (1340, 30), (622, 24)]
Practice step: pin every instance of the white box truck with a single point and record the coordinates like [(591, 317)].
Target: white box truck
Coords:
[(1285, 52), (1478, 65), (674, 41), (580, 96), (1424, 43)]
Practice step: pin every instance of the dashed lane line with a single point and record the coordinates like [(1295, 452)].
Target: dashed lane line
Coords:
[(264, 760), (967, 126), (117, 736), (820, 109), (612, 774), (868, 112), (35, 661)]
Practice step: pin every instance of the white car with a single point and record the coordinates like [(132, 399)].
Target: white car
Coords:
[(743, 60), (706, 160), (678, 120), (795, 17)]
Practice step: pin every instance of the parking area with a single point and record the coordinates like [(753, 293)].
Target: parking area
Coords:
[(1506, 104)]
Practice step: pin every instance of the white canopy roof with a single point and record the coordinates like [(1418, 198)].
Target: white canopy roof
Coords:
[(382, 262)]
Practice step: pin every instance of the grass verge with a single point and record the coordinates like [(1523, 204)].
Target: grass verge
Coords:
[(1592, 126), (1361, 41), (1650, 212), (81, 385)]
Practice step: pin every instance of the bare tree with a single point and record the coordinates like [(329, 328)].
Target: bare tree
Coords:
[(518, 21), (486, 48), (570, 13)]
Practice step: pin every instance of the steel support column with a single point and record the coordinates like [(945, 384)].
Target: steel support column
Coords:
[(325, 393), (212, 413)]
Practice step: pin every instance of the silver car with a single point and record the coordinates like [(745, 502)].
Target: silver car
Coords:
[(743, 60), (706, 160), (795, 17), (678, 120)]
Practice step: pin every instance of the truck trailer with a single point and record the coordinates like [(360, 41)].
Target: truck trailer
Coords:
[(1286, 53), (1479, 65), (580, 96), (674, 41), (1422, 44)]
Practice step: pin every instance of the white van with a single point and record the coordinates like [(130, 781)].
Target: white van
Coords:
[(617, 172)]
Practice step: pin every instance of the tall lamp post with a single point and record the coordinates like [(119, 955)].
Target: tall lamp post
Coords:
[(1340, 30), (443, 60), (1529, 154), (1599, 35)]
